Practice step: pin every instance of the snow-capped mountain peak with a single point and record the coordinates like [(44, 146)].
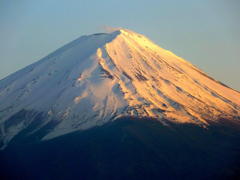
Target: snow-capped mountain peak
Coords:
[(98, 78)]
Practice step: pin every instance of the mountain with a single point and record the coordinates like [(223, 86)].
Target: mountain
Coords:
[(98, 78), (156, 111)]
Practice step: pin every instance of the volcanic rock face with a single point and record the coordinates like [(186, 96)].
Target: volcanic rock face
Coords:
[(101, 77)]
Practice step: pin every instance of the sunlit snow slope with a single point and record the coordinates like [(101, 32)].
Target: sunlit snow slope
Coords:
[(98, 78)]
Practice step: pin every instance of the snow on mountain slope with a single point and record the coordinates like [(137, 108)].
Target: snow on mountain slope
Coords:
[(100, 77)]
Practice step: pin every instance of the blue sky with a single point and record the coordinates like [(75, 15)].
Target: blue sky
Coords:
[(204, 32)]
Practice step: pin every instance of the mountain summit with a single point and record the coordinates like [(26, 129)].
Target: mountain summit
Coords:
[(101, 77)]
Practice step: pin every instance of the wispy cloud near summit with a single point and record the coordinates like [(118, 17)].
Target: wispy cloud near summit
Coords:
[(110, 29)]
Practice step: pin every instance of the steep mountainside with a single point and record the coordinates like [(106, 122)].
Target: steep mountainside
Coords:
[(130, 149)]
